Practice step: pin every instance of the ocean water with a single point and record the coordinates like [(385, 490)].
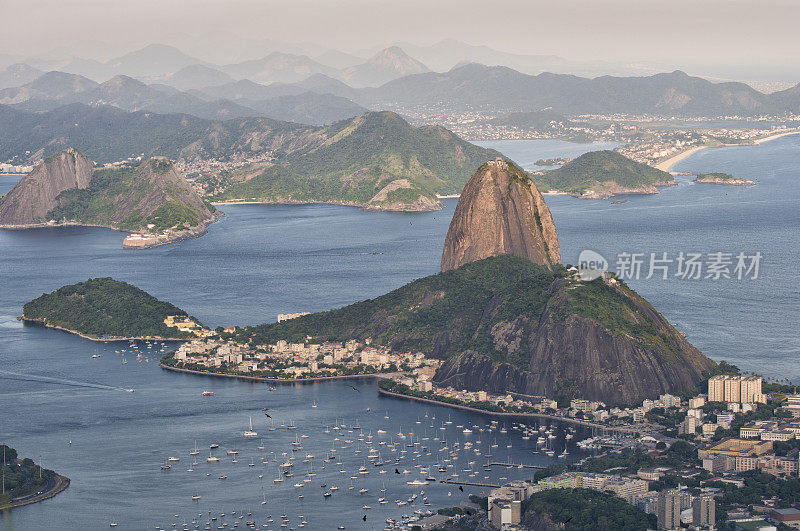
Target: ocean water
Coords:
[(259, 261)]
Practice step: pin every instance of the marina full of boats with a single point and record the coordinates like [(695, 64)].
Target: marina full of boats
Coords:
[(385, 473)]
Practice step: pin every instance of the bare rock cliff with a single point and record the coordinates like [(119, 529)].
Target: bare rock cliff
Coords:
[(35, 194), (500, 212)]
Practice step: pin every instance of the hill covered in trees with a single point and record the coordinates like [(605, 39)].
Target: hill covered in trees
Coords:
[(602, 174), (506, 324), (104, 308)]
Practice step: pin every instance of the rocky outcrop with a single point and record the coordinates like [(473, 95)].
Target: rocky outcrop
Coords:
[(28, 203), (149, 197), (571, 355), (500, 211)]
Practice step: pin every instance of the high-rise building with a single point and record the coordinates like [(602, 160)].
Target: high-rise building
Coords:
[(669, 510), (744, 389), (703, 511), (716, 389)]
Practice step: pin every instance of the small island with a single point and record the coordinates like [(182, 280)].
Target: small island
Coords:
[(26, 482), (105, 309), (722, 178), (602, 174)]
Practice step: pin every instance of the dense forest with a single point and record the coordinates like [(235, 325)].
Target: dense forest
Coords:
[(105, 308), (588, 509)]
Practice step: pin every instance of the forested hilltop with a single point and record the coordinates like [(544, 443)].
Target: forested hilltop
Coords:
[(506, 324), (104, 308), (376, 160), (598, 174), (148, 196)]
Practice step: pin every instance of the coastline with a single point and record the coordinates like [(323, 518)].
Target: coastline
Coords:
[(773, 137), (503, 414), (62, 482), (377, 375), (364, 206), (164, 239), (41, 322), (666, 164)]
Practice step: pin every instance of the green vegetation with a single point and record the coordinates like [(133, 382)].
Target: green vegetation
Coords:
[(172, 214), (715, 175), (22, 477), (757, 487), (97, 203), (615, 311), (589, 509), (116, 197), (474, 307), (105, 308), (597, 170), (452, 303), (359, 157)]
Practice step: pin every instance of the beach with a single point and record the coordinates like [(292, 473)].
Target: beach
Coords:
[(665, 165), (773, 137)]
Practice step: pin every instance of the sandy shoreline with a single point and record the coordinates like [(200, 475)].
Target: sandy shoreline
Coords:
[(665, 165), (773, 137)]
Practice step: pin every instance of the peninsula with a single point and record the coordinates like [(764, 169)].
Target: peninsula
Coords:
[(603, 174), (106, 309), (376, 161), (26, 482), (148, 197)]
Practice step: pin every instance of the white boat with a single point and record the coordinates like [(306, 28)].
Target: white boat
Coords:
[(211, 458), (195, 451), (250, 433)]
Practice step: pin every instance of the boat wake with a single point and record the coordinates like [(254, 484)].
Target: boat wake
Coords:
[(8, 375)]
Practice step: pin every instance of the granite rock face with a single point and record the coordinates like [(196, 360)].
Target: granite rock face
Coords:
[(500, 211), (571, 355), (35, 194)]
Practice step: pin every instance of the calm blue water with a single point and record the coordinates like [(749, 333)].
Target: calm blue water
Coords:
[(259, 261)]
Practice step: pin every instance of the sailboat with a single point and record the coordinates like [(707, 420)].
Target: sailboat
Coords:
[(250, 433), (195, 451)]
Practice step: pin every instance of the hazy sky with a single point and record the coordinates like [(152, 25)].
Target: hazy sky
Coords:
[(679, 32)]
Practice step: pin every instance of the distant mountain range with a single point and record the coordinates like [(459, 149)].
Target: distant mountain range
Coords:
[(390, 78), (55, 89), (159, 63), (327, 99), (501, 88)]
